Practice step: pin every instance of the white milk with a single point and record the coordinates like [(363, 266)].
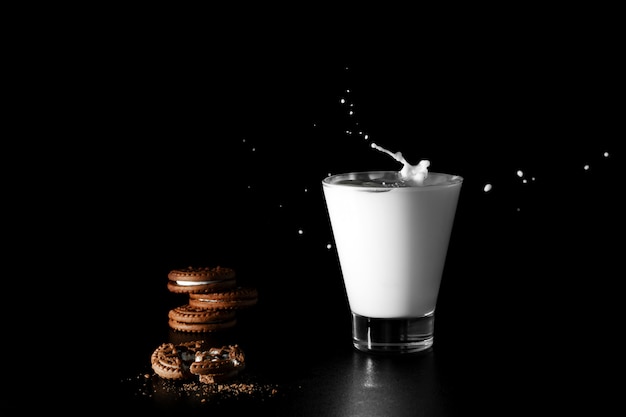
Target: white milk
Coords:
[(391, 233)]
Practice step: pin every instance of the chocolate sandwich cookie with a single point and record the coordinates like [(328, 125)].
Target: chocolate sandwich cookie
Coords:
[(218, 364), (200, 279), (186, 318), (232, 299), (173, 361)]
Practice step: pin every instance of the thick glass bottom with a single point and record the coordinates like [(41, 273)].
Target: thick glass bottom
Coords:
[(393, 336)]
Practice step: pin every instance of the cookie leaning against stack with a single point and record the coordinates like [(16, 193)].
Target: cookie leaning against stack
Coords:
[(216, 297), (231, 299)]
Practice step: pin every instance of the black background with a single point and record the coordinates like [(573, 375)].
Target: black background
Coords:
[(155, 148)]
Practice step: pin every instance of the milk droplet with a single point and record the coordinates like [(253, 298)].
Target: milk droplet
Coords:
[(606, 154), (300, 231), (520, 173), (342, 101), (586, 167), (328, 246), (487, 188), (366, 137)]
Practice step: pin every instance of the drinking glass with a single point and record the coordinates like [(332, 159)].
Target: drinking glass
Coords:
[(391, 239)]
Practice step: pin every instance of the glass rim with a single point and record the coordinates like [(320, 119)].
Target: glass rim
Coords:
[(330, 180)]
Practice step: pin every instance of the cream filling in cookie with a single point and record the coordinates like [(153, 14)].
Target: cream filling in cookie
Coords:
[(229, 301), (190, 283)]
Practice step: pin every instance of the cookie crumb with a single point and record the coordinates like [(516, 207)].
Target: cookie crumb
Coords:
[(243, 387)]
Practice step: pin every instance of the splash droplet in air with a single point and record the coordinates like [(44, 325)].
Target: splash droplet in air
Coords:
[(487, 188)]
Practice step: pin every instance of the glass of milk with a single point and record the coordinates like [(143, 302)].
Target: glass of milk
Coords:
[(391, 233)]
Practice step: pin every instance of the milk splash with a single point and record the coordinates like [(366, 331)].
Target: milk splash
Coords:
[(413, 173)]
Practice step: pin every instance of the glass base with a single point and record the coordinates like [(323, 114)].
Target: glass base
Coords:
[(392, 336)]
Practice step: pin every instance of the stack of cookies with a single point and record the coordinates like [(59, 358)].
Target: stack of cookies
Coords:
[(214, 298)]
